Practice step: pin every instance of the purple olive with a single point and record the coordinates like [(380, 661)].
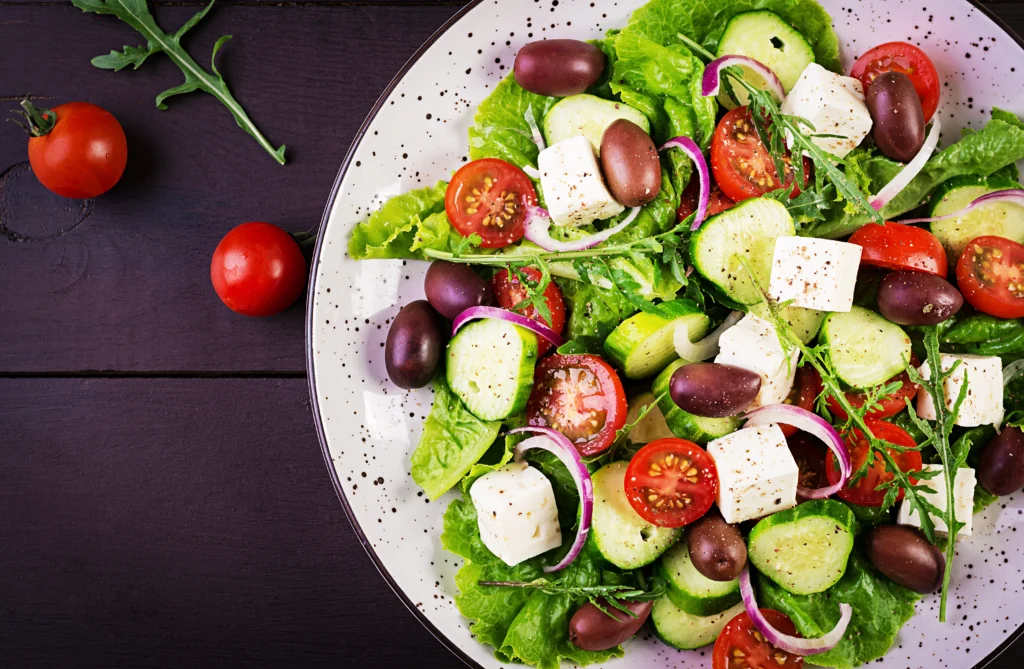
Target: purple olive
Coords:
[(630, 163), (559, 67), (452, 288), (717, 549), (904, 555), (592, 629), (917, 298), (1001, 467), (899, 119), (712, 390), (414, 345)]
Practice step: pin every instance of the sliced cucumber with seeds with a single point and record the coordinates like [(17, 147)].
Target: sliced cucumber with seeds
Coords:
[(621, 536), (806, 323), (589, 116), (490, 367), (1002, 219), (804, 549), (643, 344), (685, 425), (686, 631), (745, 234), (691, 590), (866, 350)]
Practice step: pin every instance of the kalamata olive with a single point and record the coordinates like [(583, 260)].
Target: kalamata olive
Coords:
[(591, 629), (712, 390), (904, 555), (1001, 467), (452, 288), (414, 346), (630, 163), (717, 549), (896, 111), (916, 298), (559, 67)]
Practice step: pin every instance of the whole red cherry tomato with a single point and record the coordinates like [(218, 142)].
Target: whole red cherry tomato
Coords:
[(258, 269)]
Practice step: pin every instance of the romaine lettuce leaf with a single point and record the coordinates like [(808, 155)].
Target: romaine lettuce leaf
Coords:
[(593, 311), (403, 225), (500, 129)]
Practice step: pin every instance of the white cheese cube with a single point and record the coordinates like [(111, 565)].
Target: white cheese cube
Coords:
[(574, 188), (834, 105), (757, 474), (516, 512), (753, 344), (983, 404), (963, 500), (815, 273)]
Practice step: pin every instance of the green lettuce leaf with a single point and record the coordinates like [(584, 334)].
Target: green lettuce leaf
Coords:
[(404, 225), (453, 441), (880, 609), (500, 129), (593, 311)]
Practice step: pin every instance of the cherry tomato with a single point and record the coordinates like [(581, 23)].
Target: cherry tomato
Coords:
[(489, 197), (890, 405), (862, 491), (809, 453), (691, 197), (509, 292), (582, 397), (898, 246), (741, 646), (81, 154), (804, 394), (990, 275), (258, 269), (742, 165), (671, 482), (905, 58)]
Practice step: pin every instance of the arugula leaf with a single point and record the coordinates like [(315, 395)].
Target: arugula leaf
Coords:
[(500, 129), (136, 14), (404, 226)]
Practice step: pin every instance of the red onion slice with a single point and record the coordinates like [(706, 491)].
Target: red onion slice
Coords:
[(538, 138), (538, 231), (911, 170), (802, 419), (555, 442), (708, 346), (1013, 195), (539, 329), (691, 149), (787, 643), (712, 81)]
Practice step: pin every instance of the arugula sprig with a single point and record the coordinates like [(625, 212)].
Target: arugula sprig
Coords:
[(598, 595), (535, 296)]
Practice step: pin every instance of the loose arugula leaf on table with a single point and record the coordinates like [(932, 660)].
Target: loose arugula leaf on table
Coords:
[(136, 14)]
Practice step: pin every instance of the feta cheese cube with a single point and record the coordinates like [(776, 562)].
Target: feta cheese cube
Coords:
[(757, 474), (574, 188), (815, 273), (984, 402), (754, 344), (963, 500), (834, 105), (516, 512)]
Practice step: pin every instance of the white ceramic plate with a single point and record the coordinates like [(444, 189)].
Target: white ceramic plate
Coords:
[(415, 136)]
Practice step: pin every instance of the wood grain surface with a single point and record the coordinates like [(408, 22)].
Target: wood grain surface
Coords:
[(163, 498)]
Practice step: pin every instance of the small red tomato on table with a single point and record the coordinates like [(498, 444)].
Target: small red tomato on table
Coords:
[(258, 269)]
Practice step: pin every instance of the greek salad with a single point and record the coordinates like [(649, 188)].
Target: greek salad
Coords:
[(721, 341)]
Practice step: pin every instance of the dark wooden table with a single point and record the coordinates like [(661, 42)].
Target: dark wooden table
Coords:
[(163, 499)]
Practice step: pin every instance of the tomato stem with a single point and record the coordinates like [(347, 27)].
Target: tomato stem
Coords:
[(40, 121)]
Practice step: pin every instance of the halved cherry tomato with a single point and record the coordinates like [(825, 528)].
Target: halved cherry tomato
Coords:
[(489, 197), (990, 275), (741, 646), (671, 482), (809, 453), (905, 58), (691, 197), (582, 397), (862, 491), (742, 165), (898, 246), (804, 394), (510, 291)]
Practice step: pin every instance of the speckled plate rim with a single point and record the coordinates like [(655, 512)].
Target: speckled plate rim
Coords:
[(311, 372)]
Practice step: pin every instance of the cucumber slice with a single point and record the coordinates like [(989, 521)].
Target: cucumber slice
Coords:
[(764, 36), (747, 232), (804, 549), (685, 425), (684, 631), (806, 323), (652, 427), (1002, 219), (589, 116), (621, 536), (643, 344), (690, 590), (490, 367), (866, 349)]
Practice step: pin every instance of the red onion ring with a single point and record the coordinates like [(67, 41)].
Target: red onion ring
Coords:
[(911, 170), (539, 329), (708, 346), (811, 423), (691, 149), (712, 81), (557, 443), (786, 642), (538, 231), (1014, 195)]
